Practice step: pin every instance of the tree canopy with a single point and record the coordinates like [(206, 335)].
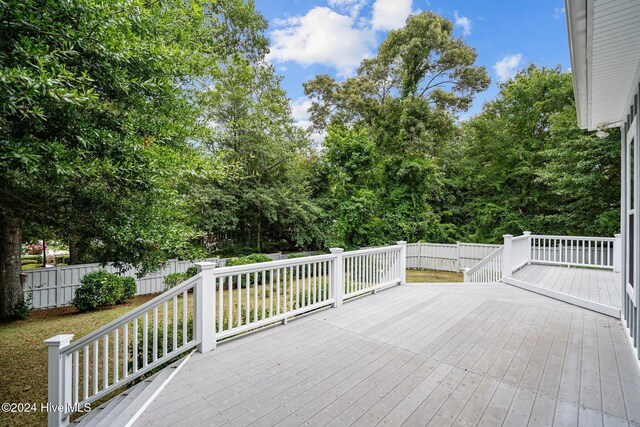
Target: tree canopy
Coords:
[(137, 131)]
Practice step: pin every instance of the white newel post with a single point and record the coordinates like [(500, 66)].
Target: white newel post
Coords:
[(403, 261), (617, 253), (337, 281), (507, 263), (59, 380), (528, 234), (205, 307)]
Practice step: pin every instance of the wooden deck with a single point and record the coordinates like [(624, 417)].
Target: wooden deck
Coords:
[(581, 286), (438, 355)]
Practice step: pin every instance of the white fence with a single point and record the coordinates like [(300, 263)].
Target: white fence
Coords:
[(55, 286), (217, 303), (447, 257)]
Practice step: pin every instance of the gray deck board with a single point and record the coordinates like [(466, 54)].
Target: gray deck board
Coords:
[(417, 355), (598, 285)]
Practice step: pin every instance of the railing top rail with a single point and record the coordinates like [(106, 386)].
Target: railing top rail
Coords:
[(485, 259), (592, 238), (127, 317), (370, 251), (269, 265), (519, 238)]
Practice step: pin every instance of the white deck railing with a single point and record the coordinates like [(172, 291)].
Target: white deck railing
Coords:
[(592, 252), (489, 270), (570, 250), (215, 304)]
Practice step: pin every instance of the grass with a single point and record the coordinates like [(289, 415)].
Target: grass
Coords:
[(433, 276)]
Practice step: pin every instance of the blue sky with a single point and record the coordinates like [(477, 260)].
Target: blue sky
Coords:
[(309, 37)]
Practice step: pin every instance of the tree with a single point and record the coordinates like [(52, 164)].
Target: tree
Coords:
[(90, 95), (525, 165), (253, 126), (406, 100)]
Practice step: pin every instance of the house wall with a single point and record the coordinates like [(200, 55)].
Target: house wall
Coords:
[(630, 222)]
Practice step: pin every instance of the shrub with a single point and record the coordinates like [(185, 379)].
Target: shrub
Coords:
[(62, 259), (35, 258), (101, 288), (174, 279), (249, 259)]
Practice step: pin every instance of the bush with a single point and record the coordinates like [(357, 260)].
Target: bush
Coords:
[(62, 259), (101, 288), (30, 262), (249, 259), (174, 279)]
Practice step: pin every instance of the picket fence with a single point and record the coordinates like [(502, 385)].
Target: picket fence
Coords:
[(446, 257), (55, 286)]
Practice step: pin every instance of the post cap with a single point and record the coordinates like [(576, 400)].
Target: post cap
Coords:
[(617, 236), (507, 236), (336, 250), (205, 265), (526, 233), (61, 340), (401, 242)]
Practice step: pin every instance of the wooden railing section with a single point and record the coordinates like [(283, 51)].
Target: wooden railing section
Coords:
[(215, 304)]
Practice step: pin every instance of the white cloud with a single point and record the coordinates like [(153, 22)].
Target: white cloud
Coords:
[(322, 36), (463, 22), (390, 14), (507, 66), (300, 109), (351, 6), (558, 12)]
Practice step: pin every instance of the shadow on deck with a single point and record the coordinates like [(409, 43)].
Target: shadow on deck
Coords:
[(416, 354), (593, 289)]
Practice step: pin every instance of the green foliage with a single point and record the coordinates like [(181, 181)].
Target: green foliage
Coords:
[(304, 254), (173, 279), (20, 311), (101, 101), (385, 127), (249, 259), (101, 288), (525, 165)]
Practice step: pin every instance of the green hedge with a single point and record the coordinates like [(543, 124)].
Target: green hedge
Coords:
[(101, 288), (173, 279), (249, 259)]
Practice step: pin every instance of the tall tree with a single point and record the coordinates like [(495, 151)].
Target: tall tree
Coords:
[(89, 92), (406, 100), (254, 128), (525, 165)]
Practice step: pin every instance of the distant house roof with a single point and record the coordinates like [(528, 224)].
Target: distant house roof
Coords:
[(604, 40)]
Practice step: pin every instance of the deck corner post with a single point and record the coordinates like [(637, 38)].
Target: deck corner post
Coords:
[(507, 264), (528, 234), (617, 253), (403, 261), (59, 380), (337, 279), (204, 305), (465, 276)]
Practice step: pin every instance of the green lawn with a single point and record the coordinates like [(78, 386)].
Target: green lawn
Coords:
[(433, 276)]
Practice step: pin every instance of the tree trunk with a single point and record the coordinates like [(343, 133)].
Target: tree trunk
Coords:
[(10, 266), (74, 252)]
